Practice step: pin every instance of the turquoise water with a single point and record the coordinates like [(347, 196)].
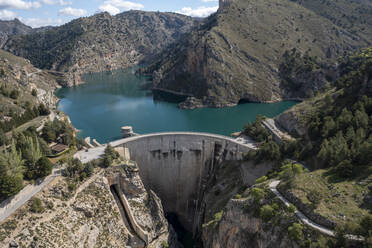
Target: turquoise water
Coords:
[(109, 101)]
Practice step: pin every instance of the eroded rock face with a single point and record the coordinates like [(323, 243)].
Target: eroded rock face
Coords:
[(34, 86), (239, 228)]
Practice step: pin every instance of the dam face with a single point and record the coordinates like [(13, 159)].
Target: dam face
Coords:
[(176, 166)]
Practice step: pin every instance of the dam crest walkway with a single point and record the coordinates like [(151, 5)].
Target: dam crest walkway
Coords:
[(96, 153)]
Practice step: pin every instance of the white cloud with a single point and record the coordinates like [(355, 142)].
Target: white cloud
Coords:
[(109, 8), (55, 2), (116, 6), (7, 15), (38, 22), (72, 12), (208, 1), (198, 12), (18, 4)]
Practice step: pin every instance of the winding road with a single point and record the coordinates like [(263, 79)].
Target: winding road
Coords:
[(273, 187), (9, 206)]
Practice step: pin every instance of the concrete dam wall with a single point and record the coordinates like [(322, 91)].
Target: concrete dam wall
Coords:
[(175, 166)]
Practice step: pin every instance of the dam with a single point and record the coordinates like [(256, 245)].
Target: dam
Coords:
[(175, 165), (178, 165)]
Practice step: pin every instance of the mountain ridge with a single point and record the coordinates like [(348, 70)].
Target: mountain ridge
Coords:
[(236, 54), (101, 42)]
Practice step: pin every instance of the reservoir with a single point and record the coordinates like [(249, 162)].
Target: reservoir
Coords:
[(110, 100)]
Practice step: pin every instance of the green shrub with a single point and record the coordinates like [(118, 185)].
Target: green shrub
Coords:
[(267, 212), (218, 216), (314, 197), (261, 179), (34, 92), (366, 224), (71, 186), (36, 205), (258, 194), (238, 196), (295, 231), (14, 94), (292, 208), (164, 244), (255, 130)]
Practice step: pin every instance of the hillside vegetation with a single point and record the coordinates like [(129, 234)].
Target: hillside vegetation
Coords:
[(25, 92), (237, 53), (335, 142), (100, 42)]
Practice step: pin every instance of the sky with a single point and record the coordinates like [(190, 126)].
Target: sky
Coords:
[(37, 13)]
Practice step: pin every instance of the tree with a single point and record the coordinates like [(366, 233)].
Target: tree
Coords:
[(43, 167), (295, 231), (107, 161), (32, 154), (11, 162), (255, 130), (258, 194), (10, 185), (43, 110), (36, 206), (110, 152), (267, 212), (45, 149), (345, 169), (74, 168), (2, 137), (366, 224)]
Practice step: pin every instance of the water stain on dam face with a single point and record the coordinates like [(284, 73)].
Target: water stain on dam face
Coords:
[(176, 166)]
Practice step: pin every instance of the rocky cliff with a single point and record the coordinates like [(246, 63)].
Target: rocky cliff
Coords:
[(237, 53), (24, 85), (101, 42)]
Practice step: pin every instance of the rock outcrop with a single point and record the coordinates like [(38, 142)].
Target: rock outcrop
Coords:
[(33, 85), (101, 42), (236, 53), (239, 227)]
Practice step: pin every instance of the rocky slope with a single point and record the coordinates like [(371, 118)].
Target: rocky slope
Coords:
[(23, 85), (87, 216), (237, 53), (100, 42)]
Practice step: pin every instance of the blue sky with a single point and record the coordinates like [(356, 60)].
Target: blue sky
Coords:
[(38, 13)]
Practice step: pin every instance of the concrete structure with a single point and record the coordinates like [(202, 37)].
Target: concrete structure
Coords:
[(128, 218), (87, 141), (96, 143), (127, 131), (176, 165), (277, 134)]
